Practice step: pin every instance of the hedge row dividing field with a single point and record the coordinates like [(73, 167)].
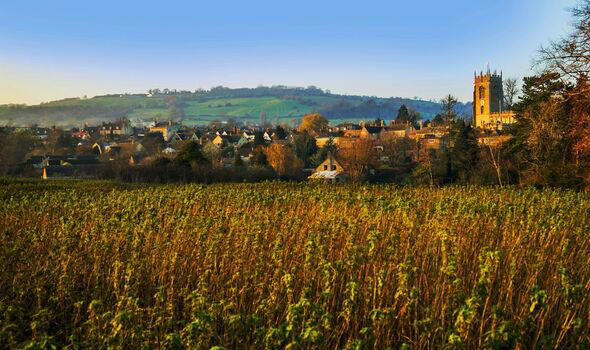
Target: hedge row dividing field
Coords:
[(285, 265)]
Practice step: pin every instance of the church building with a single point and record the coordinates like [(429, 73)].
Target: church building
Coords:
[(488, 102)]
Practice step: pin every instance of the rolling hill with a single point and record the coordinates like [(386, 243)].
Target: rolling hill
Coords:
[(278, 104)]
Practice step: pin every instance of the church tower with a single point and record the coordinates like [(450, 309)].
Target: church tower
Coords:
[(488, 97)]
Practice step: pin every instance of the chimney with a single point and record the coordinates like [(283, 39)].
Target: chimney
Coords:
[(420, 125), (331, 162)]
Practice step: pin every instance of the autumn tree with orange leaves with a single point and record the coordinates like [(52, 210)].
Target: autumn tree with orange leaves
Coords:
[(580, 110), (579, 101), (359, 159), (314, 124), (283, 160)]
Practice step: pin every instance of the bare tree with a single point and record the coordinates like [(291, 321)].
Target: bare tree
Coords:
[(494, 159), (398, 150), (511, 91), (570, 55), (359, 159), (426, 158)]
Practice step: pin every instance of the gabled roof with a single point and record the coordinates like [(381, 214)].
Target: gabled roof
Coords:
[(243, 140), (330, 159)]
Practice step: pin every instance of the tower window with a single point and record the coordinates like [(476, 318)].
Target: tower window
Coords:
[(482, 92), (481, 110)]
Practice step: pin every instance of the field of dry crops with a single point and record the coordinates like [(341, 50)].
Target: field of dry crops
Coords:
[(279, 265)]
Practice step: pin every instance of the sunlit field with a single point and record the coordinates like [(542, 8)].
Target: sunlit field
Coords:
[(279, 265)]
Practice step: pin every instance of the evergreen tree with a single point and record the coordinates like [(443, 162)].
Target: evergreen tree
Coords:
[(448, 109), (305, 147), (465, 150), (406, 115), (259, 139), (438, 120), (322, 153), (449, 115), (279, 133), (190, 153), (403, 115), (541, 148)]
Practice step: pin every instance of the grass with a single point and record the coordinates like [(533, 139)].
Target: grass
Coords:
[(75, 111), (248, 106), (148, 114), (108, 101), (147, 108), (249, 109), (276, 265)]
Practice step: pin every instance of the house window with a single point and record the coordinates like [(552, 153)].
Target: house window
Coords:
[(333, 167), (325, 167), (482, 92)]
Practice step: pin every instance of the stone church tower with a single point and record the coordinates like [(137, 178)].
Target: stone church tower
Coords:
[(488, 102)]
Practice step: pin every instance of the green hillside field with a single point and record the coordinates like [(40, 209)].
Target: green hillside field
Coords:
[(78, 111), (203, 108), (249, 109)]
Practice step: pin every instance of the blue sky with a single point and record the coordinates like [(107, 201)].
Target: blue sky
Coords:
[(56, 49)]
